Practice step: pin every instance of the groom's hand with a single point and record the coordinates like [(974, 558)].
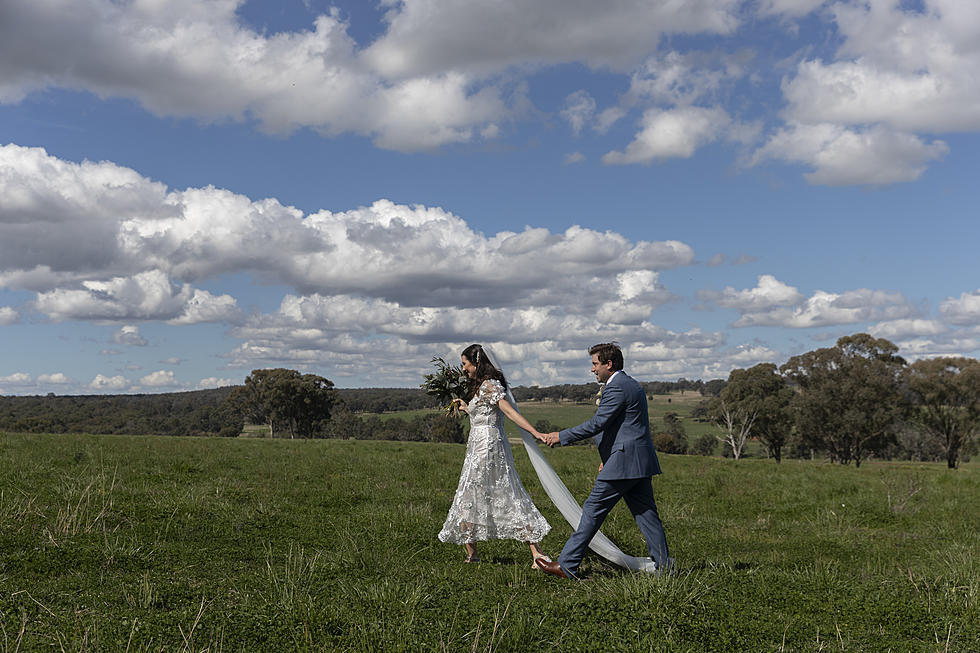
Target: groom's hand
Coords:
[(551, 439)]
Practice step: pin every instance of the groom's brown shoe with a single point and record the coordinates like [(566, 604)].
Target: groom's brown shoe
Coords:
[(550, 567)]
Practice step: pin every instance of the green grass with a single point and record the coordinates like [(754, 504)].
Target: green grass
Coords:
[(118, 543), (566, 414)]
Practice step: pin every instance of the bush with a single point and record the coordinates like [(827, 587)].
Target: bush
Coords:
[(670, 443), (544, 426), (705, 445)]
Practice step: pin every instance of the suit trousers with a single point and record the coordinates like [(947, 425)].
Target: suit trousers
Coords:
[(638, 493)]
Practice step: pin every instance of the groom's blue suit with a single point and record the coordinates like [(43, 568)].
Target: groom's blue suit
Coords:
[(621, 429)]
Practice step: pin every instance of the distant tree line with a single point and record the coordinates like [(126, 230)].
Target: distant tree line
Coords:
[(846, 403), (853, 401), (203, 412)]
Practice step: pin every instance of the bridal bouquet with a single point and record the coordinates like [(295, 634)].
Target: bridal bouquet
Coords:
[(447, 383)]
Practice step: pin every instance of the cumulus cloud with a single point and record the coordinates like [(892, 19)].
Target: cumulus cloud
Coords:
[(129, 335), (912, 70), (109, 383), (897, 330), (160, 379), (899, 72), (432, 78), (17, 378), (843, 157), (773, 303), (195, 59), (769, 292), (57, 378), (561, 357), (215, 382), (962, 310), (147, 295), (154, 243), (385, 277), (485, 37), (673, 133), (925, 347), (8, 315)]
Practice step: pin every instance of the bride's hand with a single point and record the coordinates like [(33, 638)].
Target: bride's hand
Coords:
[(459, 404)]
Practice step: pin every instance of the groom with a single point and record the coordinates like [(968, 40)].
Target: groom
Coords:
[(621, 430)]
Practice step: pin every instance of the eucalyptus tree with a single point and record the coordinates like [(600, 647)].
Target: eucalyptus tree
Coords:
[(848, 400), (762, 394), (285, 400), (945, 395)]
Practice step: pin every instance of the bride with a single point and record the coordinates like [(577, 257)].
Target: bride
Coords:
[(490, 501)]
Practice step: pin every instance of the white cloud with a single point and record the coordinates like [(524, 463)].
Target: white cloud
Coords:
[(8, 316), (160, 379), (671, 133), (681, 79), (141, 264), (57, 378), (899, 72), (147, 295), (896, 330), (215, 382), (486, 37), (431, 79), (914, 348), (773, 303), (788, 8), (17, 378), (561, 358), (574, 157), (129, 335), (199, 60), (579, 110), (386, 277), (963, 310), (768, 293), (109, 383), (827, 309), (845, 157), (912, 70)]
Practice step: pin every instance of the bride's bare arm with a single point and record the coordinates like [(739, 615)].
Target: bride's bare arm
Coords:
[(518, 419)]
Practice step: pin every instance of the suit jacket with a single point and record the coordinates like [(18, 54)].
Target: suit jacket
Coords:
[(621, 430)]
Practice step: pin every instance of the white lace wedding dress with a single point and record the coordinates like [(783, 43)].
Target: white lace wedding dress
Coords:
[(490, 502)]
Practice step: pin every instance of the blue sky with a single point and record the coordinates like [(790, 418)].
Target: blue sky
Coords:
[(192, 189)]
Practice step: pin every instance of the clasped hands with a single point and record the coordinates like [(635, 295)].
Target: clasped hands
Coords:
[(550, 439)]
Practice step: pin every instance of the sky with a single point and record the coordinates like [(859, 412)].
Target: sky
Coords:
[(194, 189)]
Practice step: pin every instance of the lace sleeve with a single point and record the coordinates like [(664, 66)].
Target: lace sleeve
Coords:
[(490, 393)]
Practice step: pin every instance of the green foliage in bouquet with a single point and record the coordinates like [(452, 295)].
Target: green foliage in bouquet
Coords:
[(447, 383)]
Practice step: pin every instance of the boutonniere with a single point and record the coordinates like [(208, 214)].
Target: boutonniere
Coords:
[(598, 395)]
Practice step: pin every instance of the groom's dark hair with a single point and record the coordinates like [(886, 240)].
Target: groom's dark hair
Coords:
[(608, 351)]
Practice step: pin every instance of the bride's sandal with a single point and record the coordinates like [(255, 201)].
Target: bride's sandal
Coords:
[(534, 563)]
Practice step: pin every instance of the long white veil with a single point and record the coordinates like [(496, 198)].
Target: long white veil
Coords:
[(563, 499)]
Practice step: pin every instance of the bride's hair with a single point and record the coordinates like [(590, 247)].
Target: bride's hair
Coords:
[(484, 368)]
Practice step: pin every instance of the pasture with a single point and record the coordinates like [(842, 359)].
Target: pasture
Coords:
[(565, 414), (117, 543)]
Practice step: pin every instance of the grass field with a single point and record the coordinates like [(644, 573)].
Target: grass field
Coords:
[(566, 414), (116, 543)]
